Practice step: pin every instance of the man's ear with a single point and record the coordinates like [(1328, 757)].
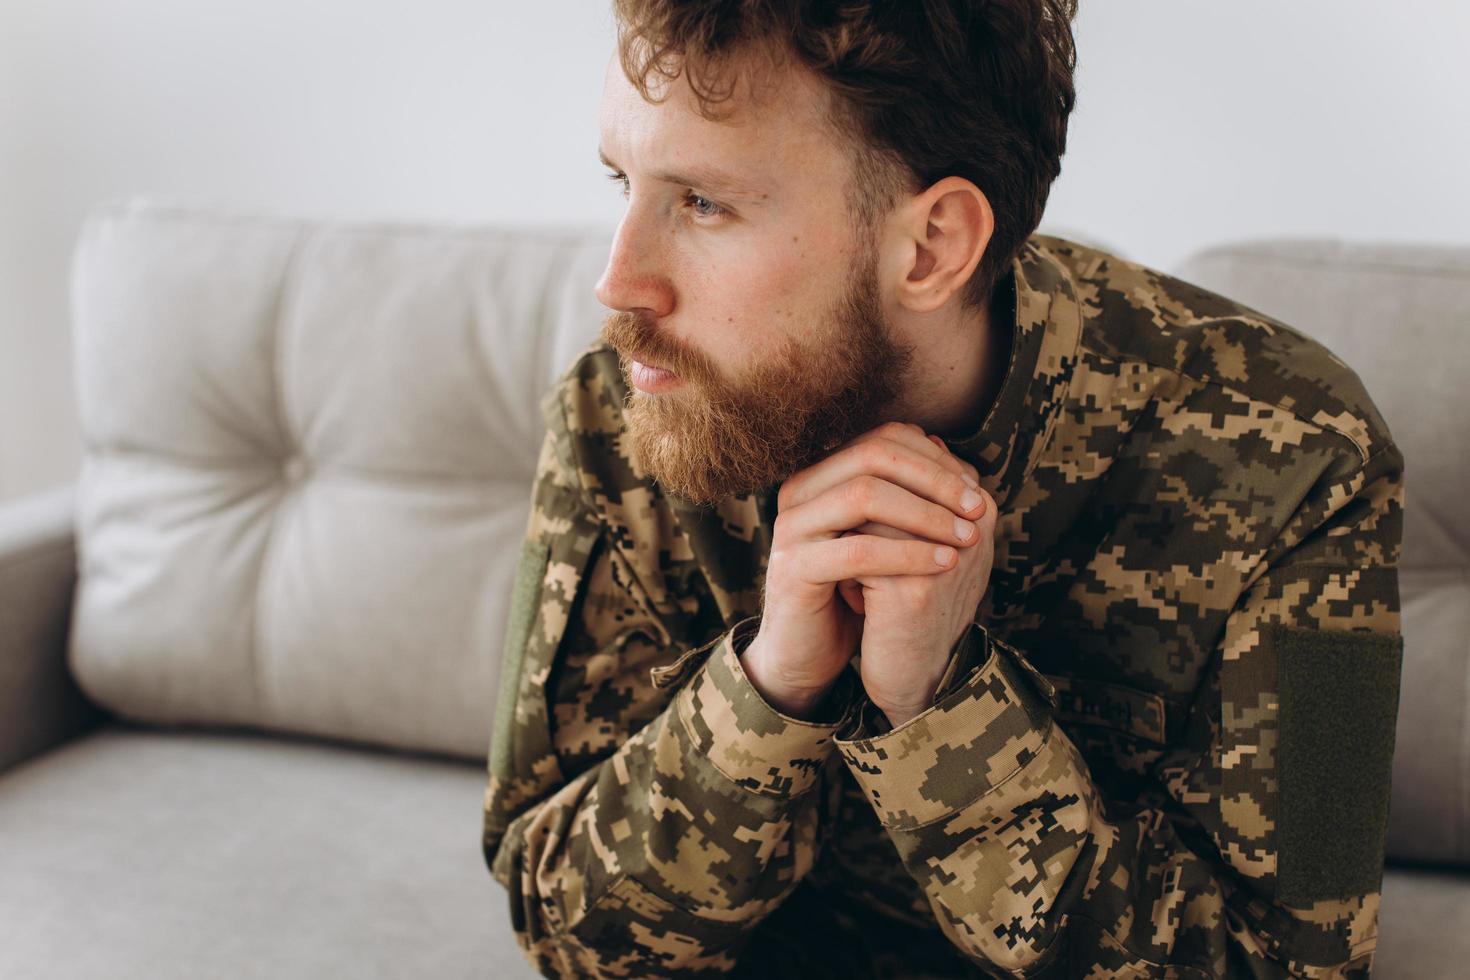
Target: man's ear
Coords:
[(943, 232)]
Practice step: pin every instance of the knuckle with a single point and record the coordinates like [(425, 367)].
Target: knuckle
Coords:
[(776, 567), (895, 429), (862, 490), (792, 489), (873, 455), (919, 595), (857, 551)]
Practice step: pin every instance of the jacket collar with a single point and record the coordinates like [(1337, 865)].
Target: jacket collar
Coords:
[(1046, 331)]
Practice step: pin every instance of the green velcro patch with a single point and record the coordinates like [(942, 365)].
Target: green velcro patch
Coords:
[(1339, 696), (526, 592)]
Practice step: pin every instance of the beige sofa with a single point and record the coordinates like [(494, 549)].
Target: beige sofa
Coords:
[(248, 660)]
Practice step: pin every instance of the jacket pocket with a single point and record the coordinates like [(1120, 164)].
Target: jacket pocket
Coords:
[(1084, 701)]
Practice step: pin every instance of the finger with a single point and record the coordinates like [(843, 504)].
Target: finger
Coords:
[(867, 498), (852, 593), (970, 469), (884, 530), (899, 463), (932, 446), (862, 555), (911, 435)]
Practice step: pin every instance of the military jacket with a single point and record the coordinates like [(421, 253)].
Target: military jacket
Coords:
[(1162, 748)]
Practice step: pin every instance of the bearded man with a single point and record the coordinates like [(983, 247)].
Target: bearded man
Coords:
[(909, 594)]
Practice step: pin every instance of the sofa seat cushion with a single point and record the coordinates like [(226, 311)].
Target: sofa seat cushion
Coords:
[(153, 854), (1423, 924)]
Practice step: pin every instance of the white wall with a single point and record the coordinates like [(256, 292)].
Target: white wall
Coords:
[(1196, 122)]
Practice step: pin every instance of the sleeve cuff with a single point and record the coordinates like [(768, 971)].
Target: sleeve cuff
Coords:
[(746, 739), (995, 718), (968, 654)]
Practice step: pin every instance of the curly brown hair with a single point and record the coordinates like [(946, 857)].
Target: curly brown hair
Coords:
[(922, 89)]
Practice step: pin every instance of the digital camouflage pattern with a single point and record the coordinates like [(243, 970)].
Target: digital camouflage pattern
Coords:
[(1186, 488)]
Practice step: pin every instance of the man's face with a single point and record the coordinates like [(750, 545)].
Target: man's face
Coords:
[(737, 267)]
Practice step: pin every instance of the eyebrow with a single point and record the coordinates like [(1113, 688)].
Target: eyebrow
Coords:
[(705, 178)]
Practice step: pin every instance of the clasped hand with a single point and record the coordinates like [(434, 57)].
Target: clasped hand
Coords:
[(882, 547)]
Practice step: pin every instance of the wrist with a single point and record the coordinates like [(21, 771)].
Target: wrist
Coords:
[(902, 705), (795, 700), (898, 715)]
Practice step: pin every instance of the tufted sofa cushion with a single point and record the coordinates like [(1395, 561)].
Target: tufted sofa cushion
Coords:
[(308, 453), (1400, 315)]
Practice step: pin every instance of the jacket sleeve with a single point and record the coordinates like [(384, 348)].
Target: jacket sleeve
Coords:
[(646, 808), (1253, 848)]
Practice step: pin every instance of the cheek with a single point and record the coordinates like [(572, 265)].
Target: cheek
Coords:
[(769, 293)]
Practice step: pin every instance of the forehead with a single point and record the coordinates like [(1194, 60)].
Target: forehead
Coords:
[(779, 135)]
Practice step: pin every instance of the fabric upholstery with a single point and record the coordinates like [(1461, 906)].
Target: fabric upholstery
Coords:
[(141, 854), (40, 704), (1400, 315), (1423, 925), (308, 455)]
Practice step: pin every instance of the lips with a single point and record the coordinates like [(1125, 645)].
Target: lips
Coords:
[(648, 363), (646, 377)]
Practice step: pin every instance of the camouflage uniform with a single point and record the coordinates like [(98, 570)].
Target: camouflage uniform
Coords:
[(1162, 750)]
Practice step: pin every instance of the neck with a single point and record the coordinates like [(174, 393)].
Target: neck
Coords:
[(962, 366)]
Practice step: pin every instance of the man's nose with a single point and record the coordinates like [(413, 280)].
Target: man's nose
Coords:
[(633, 279)]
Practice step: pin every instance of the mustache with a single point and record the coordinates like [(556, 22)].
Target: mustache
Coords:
[(634, 337)]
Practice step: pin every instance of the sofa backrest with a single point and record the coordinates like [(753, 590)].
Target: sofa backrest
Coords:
[(308, 455), (1400, 316)]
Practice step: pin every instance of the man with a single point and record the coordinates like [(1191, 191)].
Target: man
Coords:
[(909, 594)]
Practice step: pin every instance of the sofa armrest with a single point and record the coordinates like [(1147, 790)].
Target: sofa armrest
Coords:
[(40, 704)]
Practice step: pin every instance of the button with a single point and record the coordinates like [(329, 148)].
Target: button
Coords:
[(293, 468)]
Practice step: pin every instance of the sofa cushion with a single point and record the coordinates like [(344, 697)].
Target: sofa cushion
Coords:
[(1400, 314), (308, 455), (1423, 925), (132, 853)]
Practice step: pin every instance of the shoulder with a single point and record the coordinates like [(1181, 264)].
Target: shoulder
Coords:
[(1139, 315)]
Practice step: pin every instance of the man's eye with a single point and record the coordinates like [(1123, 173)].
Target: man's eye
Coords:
[(701, 206), (704, 207)]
